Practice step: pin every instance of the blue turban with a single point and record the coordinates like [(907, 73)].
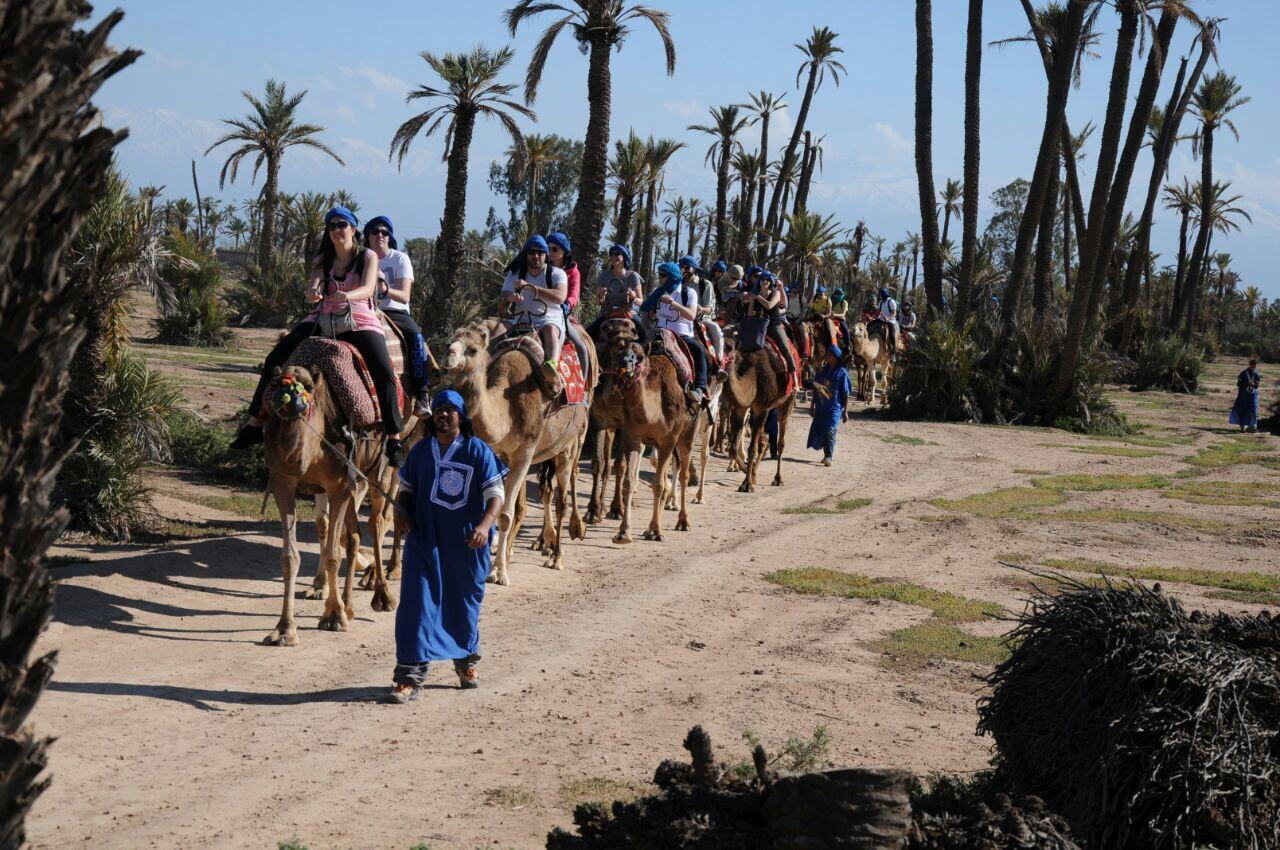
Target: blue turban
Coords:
[(720, 266), (671, 270), (691, 262), (626, 255), (535, 243), (560, 240), (385, 222), (751, 272), (766, 275), (343, 213), (821, 289), (451, 398), (836, 352), (884, 293)]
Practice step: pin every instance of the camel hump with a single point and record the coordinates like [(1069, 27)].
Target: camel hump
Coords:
[(529, 347)]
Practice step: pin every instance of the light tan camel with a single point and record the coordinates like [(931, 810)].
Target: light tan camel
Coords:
[(298, 461), (511, 410), (870, 355), (641, 399), (757, 385)]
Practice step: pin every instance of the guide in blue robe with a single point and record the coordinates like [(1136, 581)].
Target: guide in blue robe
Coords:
[(444, 578), (829, 403), (1245, 411)]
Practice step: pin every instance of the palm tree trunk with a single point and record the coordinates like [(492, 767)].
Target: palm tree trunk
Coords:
[(1066, 240), (946, 225), (972, 158), (722, 196), (589, 210), (789, 159), (1041, 283), (56, 160), (646, 246), (270, 203), (1091, 280), (531, 224), (745, 201), (1197, 293), (808, 162), (1180, 276), (449, 252), (764, 183), (692, 234), (924, 156), (1191, 298), (626, 211)]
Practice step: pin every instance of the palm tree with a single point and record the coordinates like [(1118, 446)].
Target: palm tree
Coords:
[(1224, 213), (763, 105), (812, 161), (694, 216), (924, 155), (627, 171), (1253, 302), (749, 171), (657, 155), (531, 160), (1182, 200), (599, 27), (950, 197), (266, 133), (470, 90), (1213, 103), (674, 214), (807, 237), (56, 161), (914, 244), (972, 159), (237, 228), (726, 123), (820, 51), (307, 212)]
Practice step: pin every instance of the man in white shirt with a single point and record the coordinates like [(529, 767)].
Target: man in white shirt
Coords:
[(537, 290), (396, 273), (706, 289)]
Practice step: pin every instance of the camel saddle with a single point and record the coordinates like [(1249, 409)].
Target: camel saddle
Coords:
[(779, 361), (573, 374), (675, 349), (346, 376)]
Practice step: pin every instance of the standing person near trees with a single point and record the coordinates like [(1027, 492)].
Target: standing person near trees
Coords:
[(831, 395), (343, 285), (450, 496), (619, 291), (561, 256), (395, 296), (1245, 411), (538, 292)]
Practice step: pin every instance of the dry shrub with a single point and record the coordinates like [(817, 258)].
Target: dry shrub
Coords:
[(1143, 726)]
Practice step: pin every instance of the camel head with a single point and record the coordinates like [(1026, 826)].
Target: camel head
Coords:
[(858, 331), (468, 352), (292, 392), (620, 351)]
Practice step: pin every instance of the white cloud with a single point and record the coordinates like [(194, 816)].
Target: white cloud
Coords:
[(686, 109), (894, 141), (377, 79)]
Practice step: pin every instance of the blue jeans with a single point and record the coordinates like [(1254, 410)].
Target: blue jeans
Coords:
[(417, 345)]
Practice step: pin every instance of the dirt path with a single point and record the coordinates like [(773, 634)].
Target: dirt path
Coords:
[(176, 728)]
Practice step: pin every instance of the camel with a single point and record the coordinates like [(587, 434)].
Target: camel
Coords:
[(757, 385), (642, 401), (511, 410), (869, 353), (298, 461)]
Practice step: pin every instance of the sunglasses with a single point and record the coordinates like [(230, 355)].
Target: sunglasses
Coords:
[(379, 231), (338, 224)]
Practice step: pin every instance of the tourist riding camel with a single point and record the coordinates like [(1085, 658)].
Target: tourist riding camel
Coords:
[(395, 296), (675, 304), (537, 292), (619, 291), (343, 286)]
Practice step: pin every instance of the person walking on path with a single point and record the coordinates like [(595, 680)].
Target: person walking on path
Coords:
[(450, 497), (1245, 411), (831, 390)]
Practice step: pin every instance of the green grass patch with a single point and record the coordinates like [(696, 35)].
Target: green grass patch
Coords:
[(935, 640), (600, 789), (822, 507), (168, 530), (1115, 451), (1123, 515), (1007, 503), (243, 503), (1147, 440), (1237, 450), (1248, 583), (852, 504), (509, 797), (1253, 597), (903, 439), (1097, 483), (1244, 493), (1021, 470), (823, 582)]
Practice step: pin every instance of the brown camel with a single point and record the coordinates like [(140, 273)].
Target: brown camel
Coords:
[(512, 410), (870, 353), (298, 461), (757, 385), (642, 400)]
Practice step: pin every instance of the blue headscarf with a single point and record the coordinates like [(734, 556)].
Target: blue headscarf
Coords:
[(884, 293), (821, 289), (451, 398), (670, 270), (751, 272), (560, 240), (672, 279), (626, 255), (720, 266), (692, 262), (766, 275), (535, 243), (835, 350), (386, 222), (343, 213)]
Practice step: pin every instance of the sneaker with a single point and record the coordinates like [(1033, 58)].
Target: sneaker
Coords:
[(401, 694), (551, 371), (468, 678), (697, 396), (395, 453), (248, 436)]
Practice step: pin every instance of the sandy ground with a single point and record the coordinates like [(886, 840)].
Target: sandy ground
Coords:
[(176, 727)]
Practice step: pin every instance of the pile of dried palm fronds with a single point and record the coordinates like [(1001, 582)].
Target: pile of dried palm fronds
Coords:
[(1143, 726)]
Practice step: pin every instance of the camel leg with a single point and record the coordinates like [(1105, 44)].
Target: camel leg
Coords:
[(753, 454), (669, 484), (784, 415), (508, 526), (702, 466), (615, 507), (335, 616), (286, 631), (577, 529), (555, 558), (629, 473), (318, 589), (654, 532), (600, 464), (352, 522), (684, 458), (383, 598), (737, 425)]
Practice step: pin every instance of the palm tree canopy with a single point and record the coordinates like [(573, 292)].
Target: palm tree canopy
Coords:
[(808, 234), (951, 195), (820, 51), (469, 89), (1217, 97), (268, 131), (763, 104), (609, 20), (726, 123), (532, 155)]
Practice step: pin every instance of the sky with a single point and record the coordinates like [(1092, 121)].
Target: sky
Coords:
[(356, 68)]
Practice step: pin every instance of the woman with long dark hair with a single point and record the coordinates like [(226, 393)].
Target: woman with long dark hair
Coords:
[(343, 286)]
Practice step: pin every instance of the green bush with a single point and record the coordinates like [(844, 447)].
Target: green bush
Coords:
[(1164, 362), (126, 427), (274, 297), (976, 373), (197, 316), (203, 447)]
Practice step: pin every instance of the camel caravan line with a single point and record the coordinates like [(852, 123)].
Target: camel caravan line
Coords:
[(324, 435)]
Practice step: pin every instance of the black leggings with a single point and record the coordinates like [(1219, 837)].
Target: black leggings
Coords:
[(778, 330), (372, 346), (699, 355), (416, 345)]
